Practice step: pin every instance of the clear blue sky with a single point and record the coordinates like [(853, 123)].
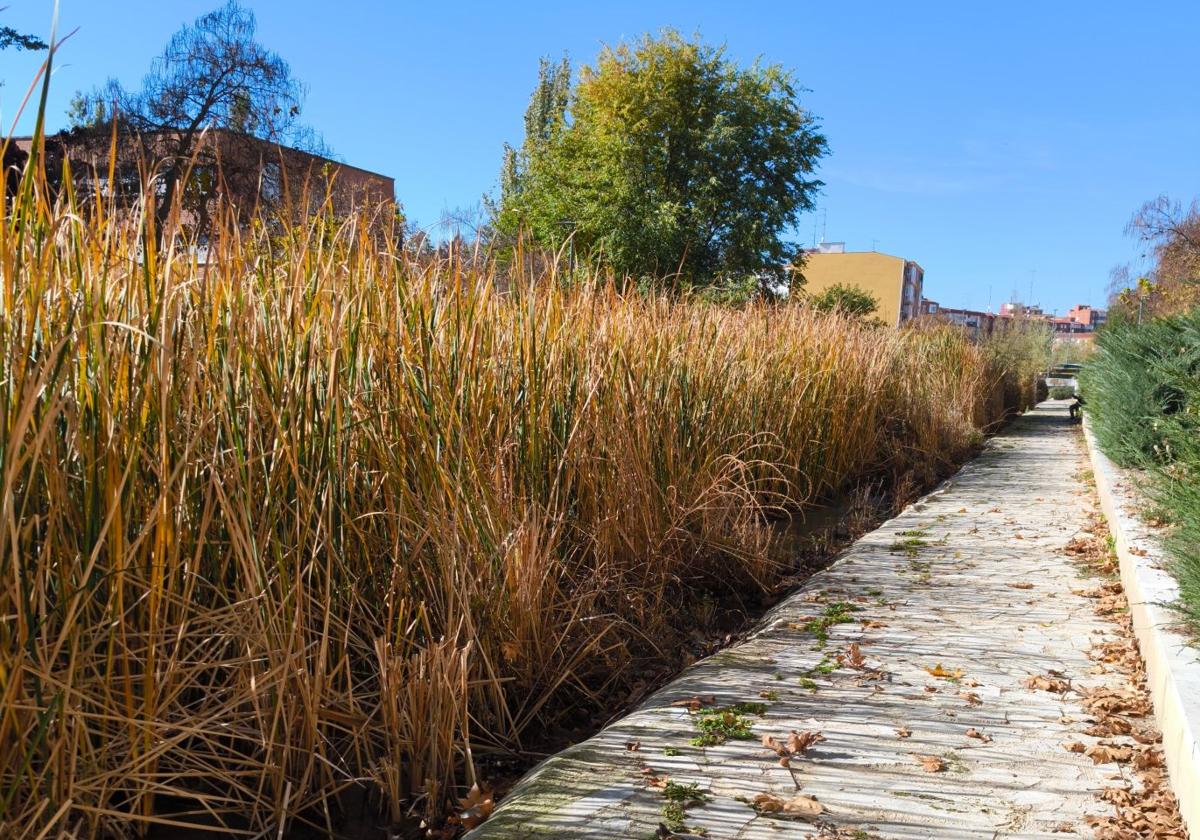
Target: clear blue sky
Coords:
[(994, 143)]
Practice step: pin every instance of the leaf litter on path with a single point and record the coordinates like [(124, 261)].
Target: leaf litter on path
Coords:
[(1145, 806)]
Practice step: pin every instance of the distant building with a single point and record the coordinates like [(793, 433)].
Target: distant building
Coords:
[(1087, 317), (1021, 310), (1079, 324), (895, 282), (978, 325), (1066, 325), (236, 170)]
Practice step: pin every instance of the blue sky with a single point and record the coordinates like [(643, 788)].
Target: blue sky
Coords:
[(995, 143)]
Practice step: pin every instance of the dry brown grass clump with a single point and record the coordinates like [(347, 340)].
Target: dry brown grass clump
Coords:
[(317, 517)]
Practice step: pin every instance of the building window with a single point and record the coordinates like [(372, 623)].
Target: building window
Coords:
[(272, 182), (129, 182)]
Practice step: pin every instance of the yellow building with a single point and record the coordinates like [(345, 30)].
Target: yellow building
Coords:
[(894, 281)]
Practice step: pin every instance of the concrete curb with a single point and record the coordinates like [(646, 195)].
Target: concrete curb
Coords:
[(1172, 666)]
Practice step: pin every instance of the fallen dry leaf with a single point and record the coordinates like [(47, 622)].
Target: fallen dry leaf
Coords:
[(1105, 753), (975, 733), (795, 744), (971, 697), (1118, 796), (1106, 701), (931, 763), (766, 803), (903, 732), (852, 658), (1111, 604), (941, 673), (803, 806), (695, 704), (475, 807), (797, 806), (1145, 759), (1044, 683), (1108, 727), (799, 742), (1022, 585), (1075, 747)]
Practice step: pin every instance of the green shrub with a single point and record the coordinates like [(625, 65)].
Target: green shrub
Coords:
[(1142, 387), (849, 300), (1138, 385)]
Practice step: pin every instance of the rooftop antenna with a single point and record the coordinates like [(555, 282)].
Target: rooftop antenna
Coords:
[(874, 244), (824, 220), (1032, 273)]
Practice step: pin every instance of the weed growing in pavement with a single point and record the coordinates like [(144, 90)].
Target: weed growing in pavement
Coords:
[(837, 612), (729, 723)]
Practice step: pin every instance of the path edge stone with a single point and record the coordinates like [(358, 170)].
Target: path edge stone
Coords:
[(1172, 666)]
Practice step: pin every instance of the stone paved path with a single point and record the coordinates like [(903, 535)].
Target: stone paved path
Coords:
[(972, 578)]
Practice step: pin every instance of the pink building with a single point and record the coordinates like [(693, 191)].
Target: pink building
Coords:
[(1087, 317)]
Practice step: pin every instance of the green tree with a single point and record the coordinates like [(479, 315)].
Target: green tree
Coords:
[(544, 119), (666, 159), (10, 37), (849, 300)]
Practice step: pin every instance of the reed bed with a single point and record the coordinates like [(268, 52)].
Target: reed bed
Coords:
[(320, 516)]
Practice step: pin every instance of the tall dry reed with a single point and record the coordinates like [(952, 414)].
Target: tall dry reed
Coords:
[(318, 516)]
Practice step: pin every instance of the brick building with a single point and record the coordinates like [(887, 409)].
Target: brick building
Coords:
[(227, 169)]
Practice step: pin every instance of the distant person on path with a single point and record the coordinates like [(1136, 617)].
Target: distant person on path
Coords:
[(1076, 408)]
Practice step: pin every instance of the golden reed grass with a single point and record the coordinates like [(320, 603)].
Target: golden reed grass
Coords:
[(320, 516)]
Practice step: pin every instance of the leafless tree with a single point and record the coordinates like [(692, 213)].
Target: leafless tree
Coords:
[(1170, 231), (1163, 220), (213, 74)]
